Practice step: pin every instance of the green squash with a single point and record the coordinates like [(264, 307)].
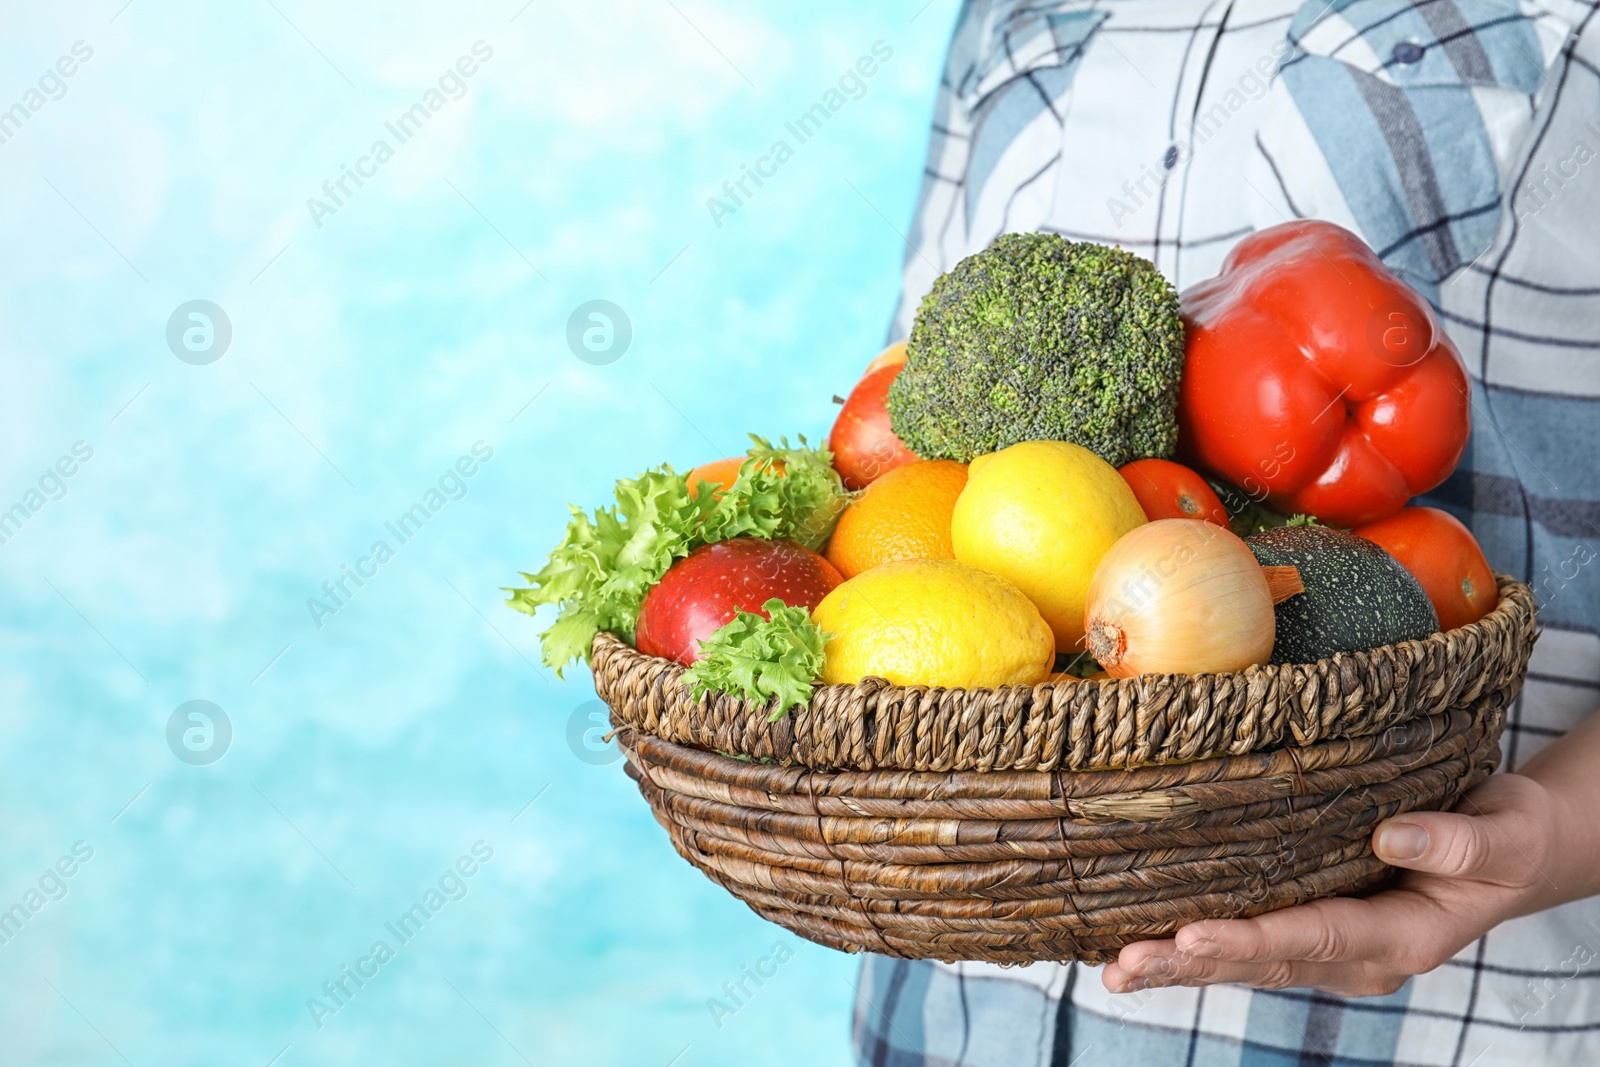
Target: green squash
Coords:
[(1357, 596)]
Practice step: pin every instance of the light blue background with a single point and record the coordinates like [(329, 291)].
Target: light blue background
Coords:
[(367, 355)]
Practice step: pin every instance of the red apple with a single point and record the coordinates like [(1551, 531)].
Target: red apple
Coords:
[(864, 445), (714, 582)]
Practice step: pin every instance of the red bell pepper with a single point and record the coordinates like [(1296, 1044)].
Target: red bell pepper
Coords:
[(1317, 380)]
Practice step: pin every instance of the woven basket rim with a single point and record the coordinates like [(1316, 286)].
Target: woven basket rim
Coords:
[(1504, 611), (1077, 726)]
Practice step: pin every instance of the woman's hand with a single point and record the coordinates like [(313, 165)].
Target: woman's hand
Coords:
[(1467, 871)]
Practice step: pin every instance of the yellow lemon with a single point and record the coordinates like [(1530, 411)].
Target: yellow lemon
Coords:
[(1041, 514), (933, 622)]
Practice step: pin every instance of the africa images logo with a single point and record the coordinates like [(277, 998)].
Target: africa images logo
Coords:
[(199, 732), (199, 332)]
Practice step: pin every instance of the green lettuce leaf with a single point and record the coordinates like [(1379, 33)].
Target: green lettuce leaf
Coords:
[(598, 575), (786, 492), (761, 658)]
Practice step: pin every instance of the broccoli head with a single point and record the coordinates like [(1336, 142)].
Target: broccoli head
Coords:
[(1042, 338)]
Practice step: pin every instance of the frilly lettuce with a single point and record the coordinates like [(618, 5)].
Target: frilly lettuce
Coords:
[(600, 572), (761, 658)]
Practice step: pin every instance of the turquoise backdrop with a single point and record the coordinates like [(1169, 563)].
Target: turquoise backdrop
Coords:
[(195, 883)]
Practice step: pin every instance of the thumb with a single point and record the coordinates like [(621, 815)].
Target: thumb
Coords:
[(1444, 843)]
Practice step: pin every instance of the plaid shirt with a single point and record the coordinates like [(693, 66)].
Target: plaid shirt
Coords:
[(1459, 138)]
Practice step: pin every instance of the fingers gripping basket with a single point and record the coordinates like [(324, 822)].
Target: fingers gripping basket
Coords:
[(1063, 821)]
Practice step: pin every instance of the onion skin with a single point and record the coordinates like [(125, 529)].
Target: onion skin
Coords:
[(1179, 596)]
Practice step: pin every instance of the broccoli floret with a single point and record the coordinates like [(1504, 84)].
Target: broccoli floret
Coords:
[(1042, 338)]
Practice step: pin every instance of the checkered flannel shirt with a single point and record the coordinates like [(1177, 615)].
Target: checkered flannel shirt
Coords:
[(1460, 139)]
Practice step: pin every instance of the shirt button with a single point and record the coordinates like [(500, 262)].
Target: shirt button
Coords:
[(1407, 52), (1170, 160)]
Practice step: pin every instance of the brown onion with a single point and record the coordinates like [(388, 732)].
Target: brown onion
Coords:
[(1179, 596)]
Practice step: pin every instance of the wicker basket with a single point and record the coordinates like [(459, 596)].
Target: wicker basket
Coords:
[(1063, 821)]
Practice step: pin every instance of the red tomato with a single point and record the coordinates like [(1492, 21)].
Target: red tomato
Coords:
[(707, 588), (1444, 557), (1168, 490), (864, 446)]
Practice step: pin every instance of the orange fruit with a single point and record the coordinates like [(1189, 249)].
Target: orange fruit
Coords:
[(720, 473), (903, 515)]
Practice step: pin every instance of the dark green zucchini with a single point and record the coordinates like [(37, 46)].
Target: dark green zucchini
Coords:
[(1357, 596)]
